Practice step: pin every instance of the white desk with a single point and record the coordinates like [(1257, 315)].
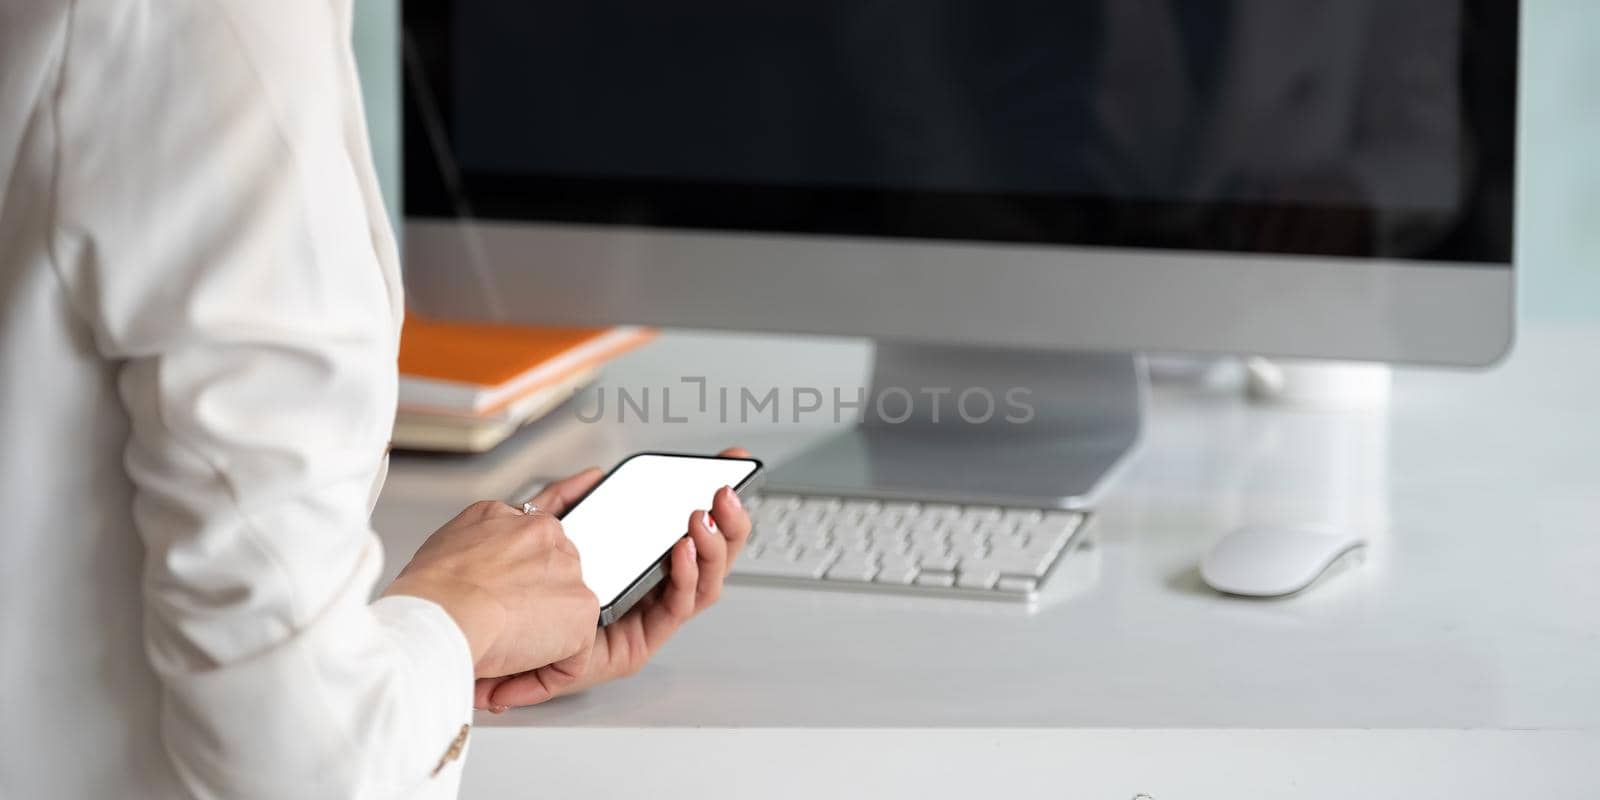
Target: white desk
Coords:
[(1462, 660)]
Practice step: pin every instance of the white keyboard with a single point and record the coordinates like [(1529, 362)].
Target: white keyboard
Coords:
[(932, 548)]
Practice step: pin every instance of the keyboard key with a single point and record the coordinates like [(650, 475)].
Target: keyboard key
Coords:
[(861, 506), (850, 533), (769, 516), (938, 563), (811, 564), (960, 539), (1009, 542), (1016, 584), (976, 514), (1020, 564), (994, 528), (977, 578), (1046, 546), (880, 530), (808, 518), (848, 517), (816, 537), (852, 567), (897, 571), (1030, 564), (779, 501), (1053, 532), (969, 549), (1021, 517), (895, 545), (936, 579)]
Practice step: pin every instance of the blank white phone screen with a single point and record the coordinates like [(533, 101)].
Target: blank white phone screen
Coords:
[(638, 512)]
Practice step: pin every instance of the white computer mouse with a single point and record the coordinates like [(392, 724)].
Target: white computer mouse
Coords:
[(1274, 561)]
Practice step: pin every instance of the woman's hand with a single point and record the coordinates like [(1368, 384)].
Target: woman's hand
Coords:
[(512, 583), (698, 564)]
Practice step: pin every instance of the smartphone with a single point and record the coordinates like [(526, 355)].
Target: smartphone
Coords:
[(626, 525)]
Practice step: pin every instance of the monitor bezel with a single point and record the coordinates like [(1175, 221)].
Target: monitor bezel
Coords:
[(974, 293)]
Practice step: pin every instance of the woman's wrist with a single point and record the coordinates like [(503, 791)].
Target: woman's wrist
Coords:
[(474, 611)]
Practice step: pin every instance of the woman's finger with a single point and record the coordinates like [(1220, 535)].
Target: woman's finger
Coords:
[(538, 685), (677, 600), (482, 690), (735, 452), (734, 522), (560, 495), (713, 561), (523, 689), (481, 511)]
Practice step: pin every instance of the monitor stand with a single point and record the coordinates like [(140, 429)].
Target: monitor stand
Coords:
[(1060, 423)]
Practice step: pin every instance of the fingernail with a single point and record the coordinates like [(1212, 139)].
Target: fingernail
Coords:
[(734, 496), (694, 552), (497, 709), (711, 524)]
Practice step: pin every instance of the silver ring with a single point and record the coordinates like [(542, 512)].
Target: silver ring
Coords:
[(529, 508)]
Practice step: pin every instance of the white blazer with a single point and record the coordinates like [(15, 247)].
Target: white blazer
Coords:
[(199, 309)]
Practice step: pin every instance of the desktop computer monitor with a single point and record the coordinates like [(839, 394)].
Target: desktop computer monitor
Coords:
[(1008, 196)]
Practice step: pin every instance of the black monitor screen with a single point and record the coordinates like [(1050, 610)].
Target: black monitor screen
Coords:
[(1367, 128)]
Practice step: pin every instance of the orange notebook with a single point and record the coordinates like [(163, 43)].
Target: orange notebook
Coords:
[(479, 368)]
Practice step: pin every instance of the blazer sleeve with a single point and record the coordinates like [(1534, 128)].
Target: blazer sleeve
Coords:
[(211, 229)]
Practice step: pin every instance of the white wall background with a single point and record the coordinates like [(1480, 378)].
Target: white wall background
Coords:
[(1558, 234), (377, 43), (1558, 241)]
